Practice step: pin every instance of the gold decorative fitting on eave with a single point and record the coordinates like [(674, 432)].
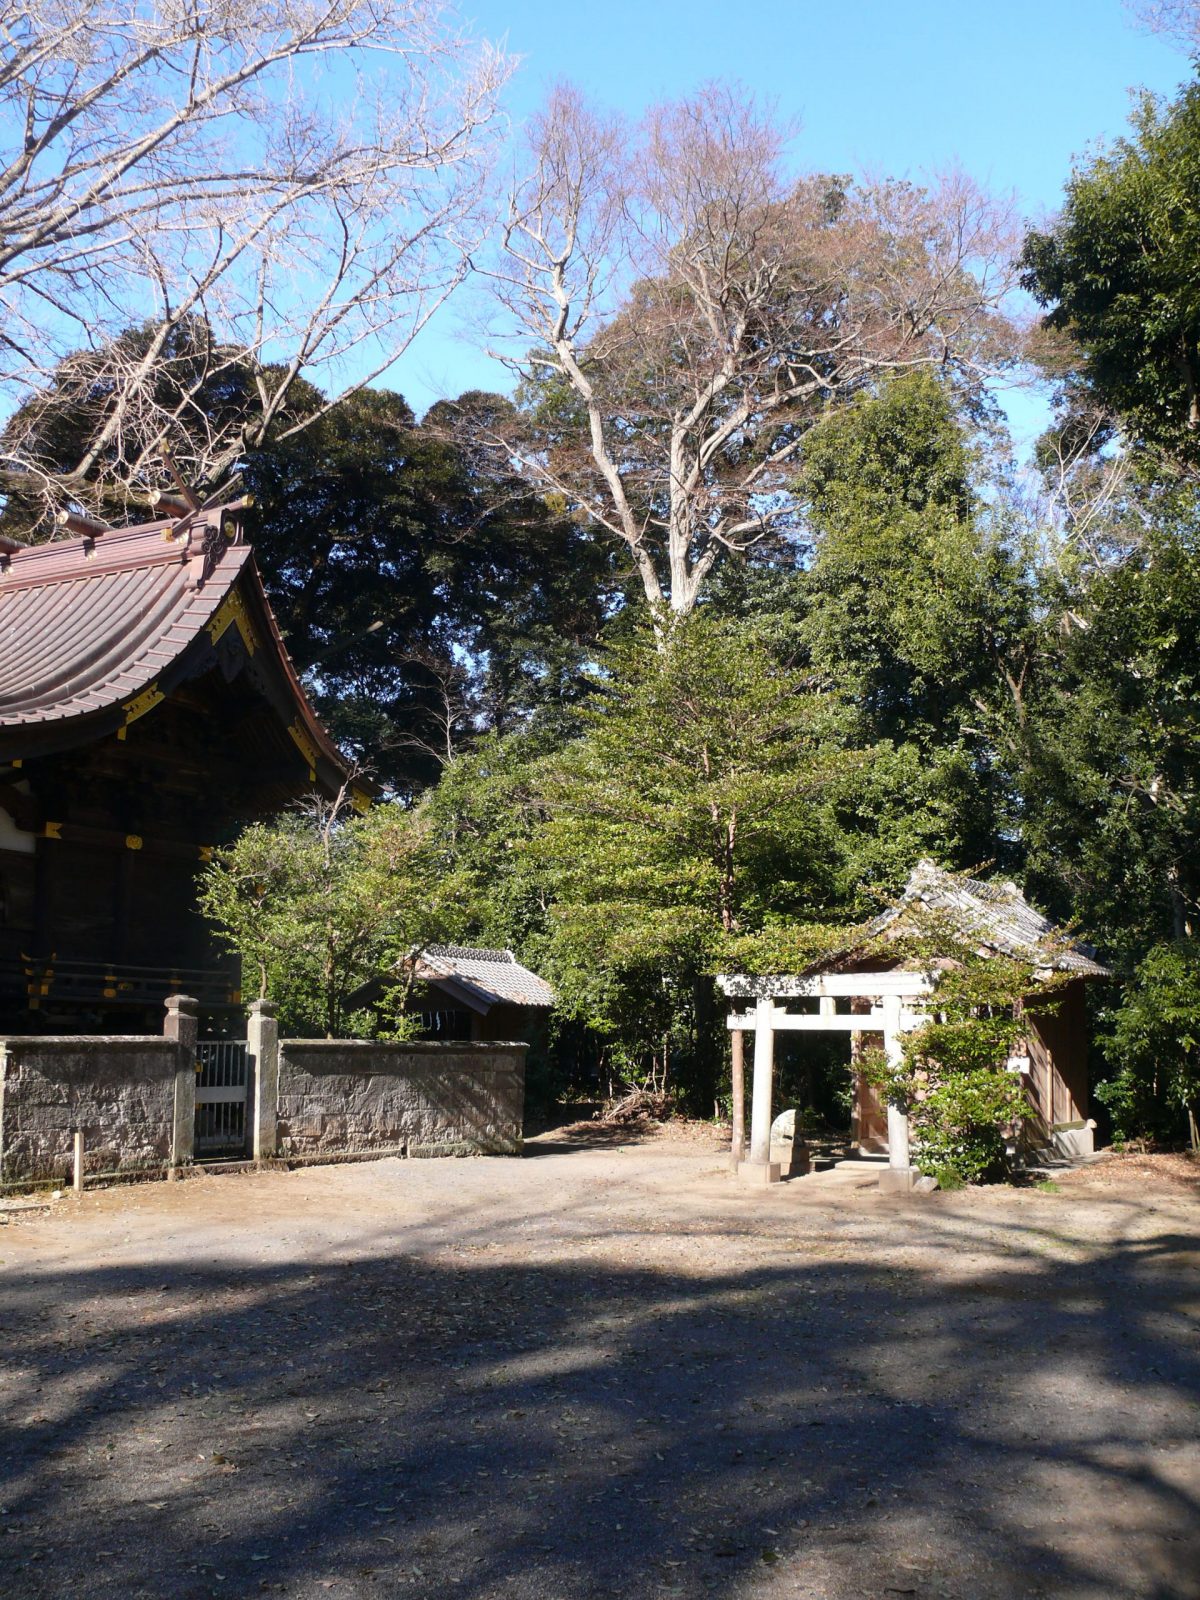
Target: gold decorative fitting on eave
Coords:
[(205, 852), (231, 611), (141, 703), (133, 841), (306, 748), (52, 830), (361, 801)]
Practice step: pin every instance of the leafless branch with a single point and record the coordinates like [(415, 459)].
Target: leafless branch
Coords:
[(303, 178), (692, 310)]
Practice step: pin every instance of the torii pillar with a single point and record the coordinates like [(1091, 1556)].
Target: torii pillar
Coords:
[(900, 1174), (760, 1170)]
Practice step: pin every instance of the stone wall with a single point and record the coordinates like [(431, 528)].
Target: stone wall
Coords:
[(343, 1097), (134, 1099), (119, 1091)]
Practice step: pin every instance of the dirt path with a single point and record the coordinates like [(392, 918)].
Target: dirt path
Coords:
[(600, 1372)]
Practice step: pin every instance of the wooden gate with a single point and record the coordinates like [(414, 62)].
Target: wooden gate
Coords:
[(222, 1092)]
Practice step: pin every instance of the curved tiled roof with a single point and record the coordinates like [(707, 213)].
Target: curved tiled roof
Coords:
[(990, 918), (994, 915), (86, 625), (95, 631)]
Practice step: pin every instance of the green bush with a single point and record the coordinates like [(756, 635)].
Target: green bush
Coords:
[(962, 1101), (948, 1178), (1153, 1041), (963, 1122)]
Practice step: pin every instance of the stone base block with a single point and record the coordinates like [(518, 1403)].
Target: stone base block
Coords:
[(1074, 1141), (759, 1174), (897, 1180)]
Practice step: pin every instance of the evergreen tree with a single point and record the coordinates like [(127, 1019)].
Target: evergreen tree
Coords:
[(919, 616), (1117, 274)]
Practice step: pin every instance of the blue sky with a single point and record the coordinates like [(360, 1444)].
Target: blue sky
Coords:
[(1010, 90)]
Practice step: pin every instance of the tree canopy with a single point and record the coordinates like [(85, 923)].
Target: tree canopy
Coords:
[(430, 595), (1117, 273), (686, 309), (167, 166)]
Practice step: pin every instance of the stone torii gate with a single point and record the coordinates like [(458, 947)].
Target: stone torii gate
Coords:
[(895, 1005)]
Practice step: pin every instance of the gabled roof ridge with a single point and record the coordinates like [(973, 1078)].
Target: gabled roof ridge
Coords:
[(983, 906), (469, 952), (142, 544)]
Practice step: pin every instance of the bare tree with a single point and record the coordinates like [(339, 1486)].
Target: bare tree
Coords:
[(443, 726), (1177, 20), (693, 310), (287, 186)]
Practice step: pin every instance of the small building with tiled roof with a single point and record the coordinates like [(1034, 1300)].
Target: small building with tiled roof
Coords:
[(875, 985), (148, 710), (467, 992), (994, 918)]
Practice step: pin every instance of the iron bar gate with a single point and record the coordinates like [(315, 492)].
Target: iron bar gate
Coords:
[(222, 1091)]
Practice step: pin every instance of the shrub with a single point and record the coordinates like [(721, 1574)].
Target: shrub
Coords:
[(953, 1081)]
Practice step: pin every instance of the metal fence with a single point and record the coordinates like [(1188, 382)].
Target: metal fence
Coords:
[(222, 1090)]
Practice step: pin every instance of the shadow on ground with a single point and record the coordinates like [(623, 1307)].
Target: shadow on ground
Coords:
[(587, 1429)]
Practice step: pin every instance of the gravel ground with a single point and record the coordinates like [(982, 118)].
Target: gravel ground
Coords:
[(601, 1372)]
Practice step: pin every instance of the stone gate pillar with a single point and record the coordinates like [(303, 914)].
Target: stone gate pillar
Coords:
[(737, 1083), (262, 1045), (900, 1173), (182, 1024)]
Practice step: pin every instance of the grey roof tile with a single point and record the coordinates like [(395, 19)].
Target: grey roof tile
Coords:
[(496, 974), (995, 915)]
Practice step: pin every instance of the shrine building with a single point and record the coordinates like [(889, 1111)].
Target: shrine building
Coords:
[(148, 711), (872, 988)]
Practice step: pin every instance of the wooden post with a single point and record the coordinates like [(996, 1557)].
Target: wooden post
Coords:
[(78, 1160), (737, 1145), (759, 1169)]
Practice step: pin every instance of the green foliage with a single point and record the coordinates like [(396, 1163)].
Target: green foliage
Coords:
[(902, 803), (431, 594), (683, 830), (1110, 773), (963, 1121), (1119, 273), (1153, 1040), (688, 818), (949, 1179), (319, 905), (918, 616), (909, 598), (963, 1102), (696, 783)]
